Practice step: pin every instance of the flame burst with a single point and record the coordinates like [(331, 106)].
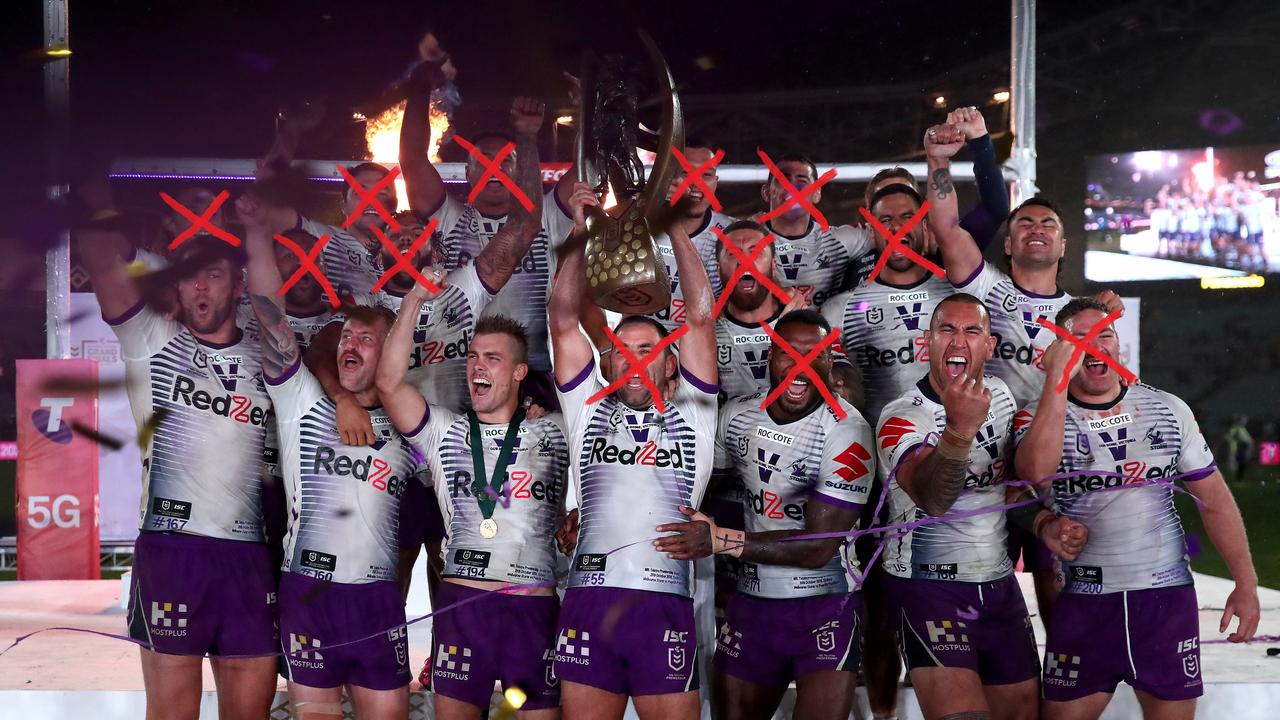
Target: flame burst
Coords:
[(382, 135)]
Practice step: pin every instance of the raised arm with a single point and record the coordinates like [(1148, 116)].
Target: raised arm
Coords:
[(422, 181), (960, 255), (1039, 453), (103, 248), (698, 346), (289, 132), (983, 220), (279, 346), (570, 346), (404, 404), (500, 257), (934, 477)]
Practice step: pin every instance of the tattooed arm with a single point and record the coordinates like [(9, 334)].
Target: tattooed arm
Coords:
[(500, 257), (934, 478), (700, 537), (279, 347), (960, 254)]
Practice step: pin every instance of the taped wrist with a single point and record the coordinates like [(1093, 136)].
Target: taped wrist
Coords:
[(1024, 516)]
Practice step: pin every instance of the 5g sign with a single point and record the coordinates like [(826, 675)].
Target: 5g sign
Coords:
[(63, 512)]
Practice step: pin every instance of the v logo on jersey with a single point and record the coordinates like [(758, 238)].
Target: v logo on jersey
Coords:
[(854, 459), (986, 439), (1115, 445), (638, 425), (227, 375), (893, 430), (910, 318), (1029, 321), (515, 447), (790, 264), (757, 362), (766, 464)]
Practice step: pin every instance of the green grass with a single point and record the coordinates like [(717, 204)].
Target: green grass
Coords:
[(1260, 507)]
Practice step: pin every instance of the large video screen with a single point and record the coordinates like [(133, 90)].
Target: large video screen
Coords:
[(1205, 212)]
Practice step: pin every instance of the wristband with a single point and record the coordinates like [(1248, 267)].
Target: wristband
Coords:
[(1042, 519), (952, 446)]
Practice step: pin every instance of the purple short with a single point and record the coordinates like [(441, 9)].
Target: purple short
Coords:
[(319, 620), (1147, 638), (420, 518), (1035, 555), (629, 642), (983, 627), (500, 636), (192, 595), (772, 642)]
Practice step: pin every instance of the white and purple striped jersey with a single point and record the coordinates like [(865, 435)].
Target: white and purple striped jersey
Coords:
[(344, 501), (305, 327), (1020, 340), (705, 242), (632, 470), (203, 465), (438, 364), (349, 266), (742, 356), (784, 467), (967, 549), (464, 231), (1136, 539), (882, 330), (528, 510), (816, 262)]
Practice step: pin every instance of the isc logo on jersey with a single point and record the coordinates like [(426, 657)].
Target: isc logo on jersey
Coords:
[(602, 451), (769, 504), (239, 408), (371, 469)]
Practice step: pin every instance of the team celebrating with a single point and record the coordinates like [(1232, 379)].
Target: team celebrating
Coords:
[(831, 477)]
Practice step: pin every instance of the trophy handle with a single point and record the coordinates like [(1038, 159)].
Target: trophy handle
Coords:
[(586, 170), (655, 191)]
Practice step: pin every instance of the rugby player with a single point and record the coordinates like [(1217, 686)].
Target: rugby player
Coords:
[(202, 578), (1107, 453), (339, 586), (501, 479), (627, 625), (805, 470), (464, 229), (742, 347), (962, 625)]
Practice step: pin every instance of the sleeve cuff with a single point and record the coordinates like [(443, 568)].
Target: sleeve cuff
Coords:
[(567, 213), (837, 502), (125, 316), (1200, 474), (577, 379), (972, 276), (694, 380), (982, 146), (284, 376), (426, 416)]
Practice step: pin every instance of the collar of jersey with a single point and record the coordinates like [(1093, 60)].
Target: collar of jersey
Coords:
[(776, 314), (306, 316), (807, 229), (1028, 293), (220, 346), (926, 389), (924, 279), (1124, 390)]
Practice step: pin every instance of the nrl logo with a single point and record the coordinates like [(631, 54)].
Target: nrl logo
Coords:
[(875, 316), (724, 354), (675, 658)]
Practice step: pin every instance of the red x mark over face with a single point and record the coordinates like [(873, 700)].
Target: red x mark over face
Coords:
[(746, 266), (636, 367), (694, 177), (803, 365), (493, 168), (308, 260), (200, 222), (1085, 346), (369, 198), (795, 197), (405, 261), (895, 242)]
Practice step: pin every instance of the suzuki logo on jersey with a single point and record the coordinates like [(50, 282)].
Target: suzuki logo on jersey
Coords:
[(371, 469), (648, 454), (1115, 441), (770, 505), (1021, 419), (236, 407), (767, 463), (855, 461)]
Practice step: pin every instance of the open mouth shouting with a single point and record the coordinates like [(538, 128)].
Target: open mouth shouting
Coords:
[(1095, 367), (481, 386), (955, 365), (798, 391), (350, 361)]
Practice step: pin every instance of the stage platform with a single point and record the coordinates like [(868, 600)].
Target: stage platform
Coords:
[(62, 674)]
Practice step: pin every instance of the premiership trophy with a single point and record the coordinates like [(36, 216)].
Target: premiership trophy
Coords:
[(624, 272)]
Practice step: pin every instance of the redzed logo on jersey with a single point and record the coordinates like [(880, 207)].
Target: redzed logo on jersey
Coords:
[(854, 459), (893, 431)]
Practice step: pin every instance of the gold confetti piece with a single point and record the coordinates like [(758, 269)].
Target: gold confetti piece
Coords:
[(149, 427)]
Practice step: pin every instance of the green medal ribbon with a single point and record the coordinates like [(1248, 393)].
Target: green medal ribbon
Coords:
[(488, 501)]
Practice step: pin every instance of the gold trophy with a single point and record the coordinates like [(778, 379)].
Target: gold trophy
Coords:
[(624, 272)]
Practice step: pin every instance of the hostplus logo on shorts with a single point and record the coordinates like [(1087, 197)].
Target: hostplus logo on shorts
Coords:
[(453, 662), (730, 642), (1061, 669), (947, 635), (169, 619), (304, 651), (571, 647)]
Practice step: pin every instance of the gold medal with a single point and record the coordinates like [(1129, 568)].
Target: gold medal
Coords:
[(488, 528)]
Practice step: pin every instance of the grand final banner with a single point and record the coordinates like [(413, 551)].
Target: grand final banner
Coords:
[(57, 470)]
